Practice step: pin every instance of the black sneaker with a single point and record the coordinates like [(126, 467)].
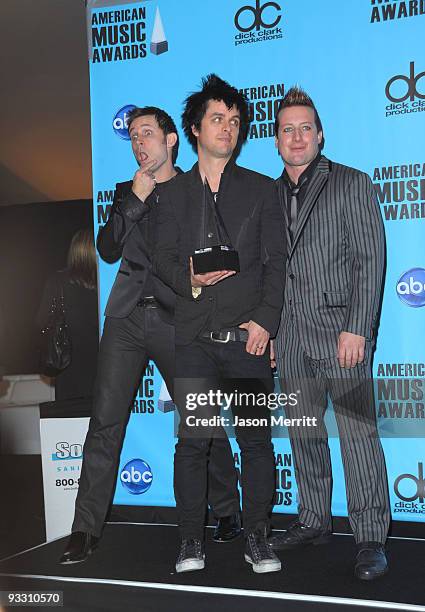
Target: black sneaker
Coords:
[(260, 554), (191, 556)]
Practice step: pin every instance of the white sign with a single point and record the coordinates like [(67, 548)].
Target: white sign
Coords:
[(62, 443)]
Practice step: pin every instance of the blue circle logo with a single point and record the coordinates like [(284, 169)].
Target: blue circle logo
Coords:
[(120, 121), (411, 287), (136, 476)]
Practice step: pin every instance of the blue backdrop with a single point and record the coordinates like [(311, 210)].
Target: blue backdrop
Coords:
[(362, 61)]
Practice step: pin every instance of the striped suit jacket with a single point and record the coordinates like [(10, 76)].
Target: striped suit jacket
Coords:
[(335, 263)]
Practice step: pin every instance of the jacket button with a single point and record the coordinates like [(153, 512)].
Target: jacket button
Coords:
[(210, 299), (210, 234), (292, 276)]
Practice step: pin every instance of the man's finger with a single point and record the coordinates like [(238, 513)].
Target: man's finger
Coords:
[(256, 344), (146, 167), (205, 279), (214, 277), (341, 356), (348, 357), (272, 355), (251, 344), (223, 276), (354, 357)]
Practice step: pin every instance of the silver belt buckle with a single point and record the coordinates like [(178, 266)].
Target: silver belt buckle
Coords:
[(217, 340)]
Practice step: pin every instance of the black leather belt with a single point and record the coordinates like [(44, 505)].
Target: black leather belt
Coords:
[(227, 335), (147, 302)]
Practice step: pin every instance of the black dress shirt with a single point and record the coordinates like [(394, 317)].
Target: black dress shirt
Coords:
[(302, 183)]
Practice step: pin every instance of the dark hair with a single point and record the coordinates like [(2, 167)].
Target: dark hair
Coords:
[(214, 88), (164, 121), (295, 96), (82, 259)]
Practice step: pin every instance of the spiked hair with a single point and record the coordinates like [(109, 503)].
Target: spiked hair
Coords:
[(214, 88), (295, 96)]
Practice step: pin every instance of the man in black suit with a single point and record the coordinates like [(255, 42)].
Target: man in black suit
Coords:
[(327, 333), (138, 327), (223, 320)]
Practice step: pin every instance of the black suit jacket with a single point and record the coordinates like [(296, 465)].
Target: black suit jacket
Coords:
[(250, 210), (122, 237)]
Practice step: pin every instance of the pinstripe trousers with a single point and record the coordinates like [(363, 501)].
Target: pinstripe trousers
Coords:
[(351, 392)]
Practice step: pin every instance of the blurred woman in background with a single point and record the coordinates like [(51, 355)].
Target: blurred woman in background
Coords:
[(78, 283)]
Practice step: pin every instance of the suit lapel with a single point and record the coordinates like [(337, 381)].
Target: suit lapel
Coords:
[(283, 201), (314, 188), (195, 205)]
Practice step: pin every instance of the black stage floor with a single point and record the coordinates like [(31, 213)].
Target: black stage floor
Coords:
[(133, 569)]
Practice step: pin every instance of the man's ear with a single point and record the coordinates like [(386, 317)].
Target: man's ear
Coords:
[(320, 137), (195, 132), (171, 140)]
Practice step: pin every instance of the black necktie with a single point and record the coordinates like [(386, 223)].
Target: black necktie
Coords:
[(293, 211)]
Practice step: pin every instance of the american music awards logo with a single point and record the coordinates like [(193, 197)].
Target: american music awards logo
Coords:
[(401, 190), (258, 21), (159, 43), (397, 9), (121, 35)]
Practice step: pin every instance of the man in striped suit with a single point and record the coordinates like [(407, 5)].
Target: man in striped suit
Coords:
[(326, 336)]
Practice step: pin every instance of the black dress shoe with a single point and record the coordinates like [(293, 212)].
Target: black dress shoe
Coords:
[(227, 528), (299, 535), (80, 546), (371, 561)]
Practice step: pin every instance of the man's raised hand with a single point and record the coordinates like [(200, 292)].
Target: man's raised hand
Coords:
[(144, 181)]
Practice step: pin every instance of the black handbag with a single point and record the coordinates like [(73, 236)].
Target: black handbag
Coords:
[(56, 347)]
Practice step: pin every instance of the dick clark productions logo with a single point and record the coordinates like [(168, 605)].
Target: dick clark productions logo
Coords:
[(136, 476), (249, 17), (415, 485), (409, 90)]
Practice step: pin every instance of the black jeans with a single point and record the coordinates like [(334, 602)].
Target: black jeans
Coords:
[(204, 366), (126, 346)]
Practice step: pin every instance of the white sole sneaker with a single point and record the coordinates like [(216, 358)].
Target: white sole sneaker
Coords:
[(265, 567), (190, 565)]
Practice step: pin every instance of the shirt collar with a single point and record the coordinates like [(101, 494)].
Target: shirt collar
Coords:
[(306, 174)]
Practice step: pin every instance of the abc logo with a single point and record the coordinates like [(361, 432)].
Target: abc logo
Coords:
[(136, 476), (253, 16), (412, 86), (411, 287), (120, 121), (413, 487)]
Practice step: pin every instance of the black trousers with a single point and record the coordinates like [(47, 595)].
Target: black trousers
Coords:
[(125, 348), (205, 366)]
